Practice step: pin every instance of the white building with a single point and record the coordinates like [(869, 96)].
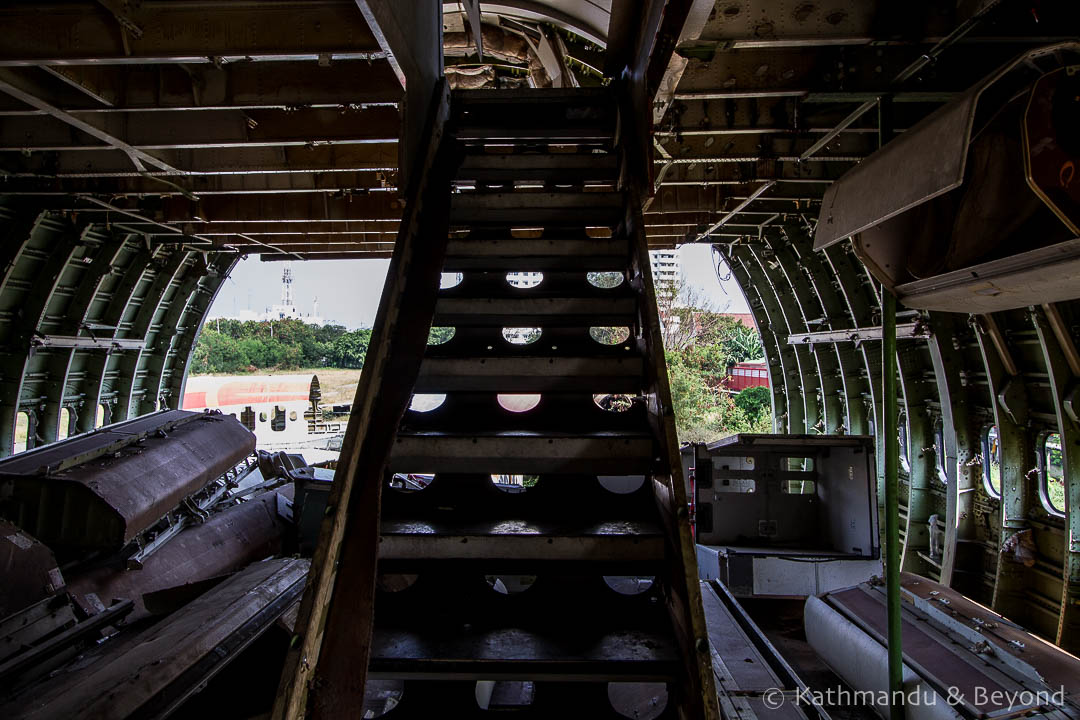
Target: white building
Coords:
[(666, 269), (285, 310), (524, 279)]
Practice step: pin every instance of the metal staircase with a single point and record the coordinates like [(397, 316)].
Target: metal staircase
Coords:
[(550, 557)]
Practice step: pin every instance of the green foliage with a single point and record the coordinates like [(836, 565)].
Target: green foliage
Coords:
[(439, 335), (234, 346), (606, 279), (349, 349), (705, 345), (743, 343), (754, 400)]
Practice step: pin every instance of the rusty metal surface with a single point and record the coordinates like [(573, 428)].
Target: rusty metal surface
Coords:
[(83, 448), (158, 670), (982, 689), (86, 631), (133, 475), (1059, 668), (28, 626), (28, 569), (924, 162), (228, 540)]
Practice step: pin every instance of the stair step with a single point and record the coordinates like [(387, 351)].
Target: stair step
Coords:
[(530, 96), (565, 168), (512, 254), (541, 115), (514, 541), (531, 374), (515, 653), (515, 453), (535, 312), (538, 131), (528, 209)]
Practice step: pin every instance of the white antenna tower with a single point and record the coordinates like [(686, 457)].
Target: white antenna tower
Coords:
[(286, 286)]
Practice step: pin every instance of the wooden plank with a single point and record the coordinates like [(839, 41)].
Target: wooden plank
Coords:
[(42, 652), (684, 598), (520, 453), (531, 374), (329, 657)]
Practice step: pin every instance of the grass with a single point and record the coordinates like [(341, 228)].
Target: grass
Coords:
[(338, 385)]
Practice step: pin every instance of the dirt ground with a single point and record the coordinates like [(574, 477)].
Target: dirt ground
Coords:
[(338, 386)]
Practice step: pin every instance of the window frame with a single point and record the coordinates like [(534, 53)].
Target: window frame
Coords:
[(1044, 475), (989, 457), (904, 439), (277, 419), (939, 450)]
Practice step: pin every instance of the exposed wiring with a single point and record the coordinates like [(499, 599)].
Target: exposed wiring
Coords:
[(719, 265)]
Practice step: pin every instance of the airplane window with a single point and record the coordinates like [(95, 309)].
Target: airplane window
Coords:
[(22, 430), (939, 452), (902, 429), (991, 451), (247, 417), (1052, 474), (278, 423), (64, 424)]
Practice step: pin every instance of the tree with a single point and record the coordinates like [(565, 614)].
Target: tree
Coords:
[(439, 335), (350, 348), (701, 343), (754, 400), (232, 346), (743, 343), (687, 316)]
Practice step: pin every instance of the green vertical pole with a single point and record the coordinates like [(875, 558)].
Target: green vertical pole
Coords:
[(892, 467)]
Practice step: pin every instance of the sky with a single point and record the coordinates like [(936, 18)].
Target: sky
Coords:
[(349, 290)]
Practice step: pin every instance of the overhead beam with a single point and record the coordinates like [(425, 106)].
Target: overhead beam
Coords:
[(703, 206), (683, 22), (212, 161), (210, 129), (25, 89), (331, 256), (200, 185), (313, 251), (809, 96), (332, 243), (304, 229), (289, 85), (411, 36), (472, 12), (52, 33), (904, 75), (295, 208)]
